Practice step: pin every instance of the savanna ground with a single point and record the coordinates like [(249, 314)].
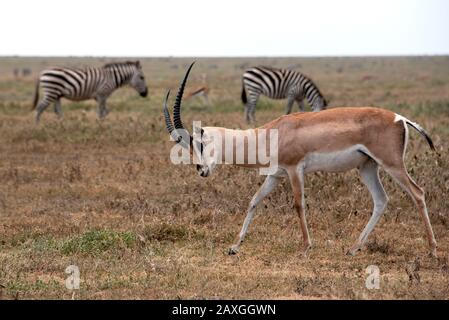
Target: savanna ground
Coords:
[(105, 197)]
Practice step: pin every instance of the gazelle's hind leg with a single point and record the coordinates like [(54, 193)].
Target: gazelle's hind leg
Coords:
[(401, 176), (369, 172), (268, 186)]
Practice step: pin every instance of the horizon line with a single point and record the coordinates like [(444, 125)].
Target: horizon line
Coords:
[(227, 56)]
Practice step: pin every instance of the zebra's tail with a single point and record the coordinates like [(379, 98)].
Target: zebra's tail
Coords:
[(244, 100), (36, 94)]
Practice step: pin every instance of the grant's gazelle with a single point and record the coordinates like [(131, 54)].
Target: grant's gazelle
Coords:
[(332, 140)]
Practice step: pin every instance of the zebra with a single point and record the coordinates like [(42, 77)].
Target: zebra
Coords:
[(279, 84), (87, 83)]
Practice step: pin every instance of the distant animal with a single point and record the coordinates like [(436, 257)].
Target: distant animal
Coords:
[(367, 78), (87, 83), (279, 84), (26, 72), (199, 90), (335, 140)]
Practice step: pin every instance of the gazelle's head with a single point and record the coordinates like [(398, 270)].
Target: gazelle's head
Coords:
[(138, 80), (200, 145)]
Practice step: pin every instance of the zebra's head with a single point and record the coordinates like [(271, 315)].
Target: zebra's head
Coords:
[(138, 80), (319, 104)]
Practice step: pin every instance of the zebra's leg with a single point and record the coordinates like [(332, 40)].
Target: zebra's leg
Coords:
[(290, 101), (252, 113), (250, 107), (268, 186), (247, 113), (102, 109), (43, 104), (105, 111), (300, 104), (58, 109)]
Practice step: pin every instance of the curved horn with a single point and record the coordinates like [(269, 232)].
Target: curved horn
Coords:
[(177, 107), (168, 124)]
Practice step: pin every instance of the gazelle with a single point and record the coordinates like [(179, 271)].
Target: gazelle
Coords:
[(332, 140), (199, 90)]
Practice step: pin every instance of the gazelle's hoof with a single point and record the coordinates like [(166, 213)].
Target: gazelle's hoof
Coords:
[(233, 250), (353, 250), (433, 252), (305, 251)]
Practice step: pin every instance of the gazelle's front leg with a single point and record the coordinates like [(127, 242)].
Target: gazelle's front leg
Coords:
[(297, 183), (206, 99), (268, 185)]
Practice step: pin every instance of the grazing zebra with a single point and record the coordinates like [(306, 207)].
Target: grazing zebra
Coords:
[(279, 84), (87, 83)]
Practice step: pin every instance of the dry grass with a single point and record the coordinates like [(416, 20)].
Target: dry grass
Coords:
[(105, 197)]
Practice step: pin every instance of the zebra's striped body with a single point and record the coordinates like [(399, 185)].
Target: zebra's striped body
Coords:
[(279, 84), (87, 83)]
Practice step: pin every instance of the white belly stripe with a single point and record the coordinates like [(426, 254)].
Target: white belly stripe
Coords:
[(336, 161)]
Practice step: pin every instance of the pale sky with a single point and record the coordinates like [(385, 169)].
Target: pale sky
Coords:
[(224, 28)]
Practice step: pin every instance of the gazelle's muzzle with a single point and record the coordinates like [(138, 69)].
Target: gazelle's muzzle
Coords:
[(203, 171)]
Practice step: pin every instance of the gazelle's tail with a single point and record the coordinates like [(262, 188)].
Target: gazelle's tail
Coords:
[(421, 131)]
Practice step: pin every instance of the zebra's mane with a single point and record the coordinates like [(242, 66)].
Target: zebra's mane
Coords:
[(125, 63), (269, 68), (317, 89)]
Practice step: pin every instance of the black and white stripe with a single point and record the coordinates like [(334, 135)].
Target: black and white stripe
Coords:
[(87, 83), (279, 84)]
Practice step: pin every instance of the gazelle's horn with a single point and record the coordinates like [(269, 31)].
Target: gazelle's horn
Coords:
[(168, 124), (177, 107)]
